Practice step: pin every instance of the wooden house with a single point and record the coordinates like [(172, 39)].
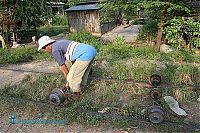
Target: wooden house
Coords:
[(86, 16)]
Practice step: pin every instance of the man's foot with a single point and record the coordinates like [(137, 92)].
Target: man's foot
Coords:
[(74, 96), (83, 88)]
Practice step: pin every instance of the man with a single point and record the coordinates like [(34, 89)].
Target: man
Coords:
[(81, 56)]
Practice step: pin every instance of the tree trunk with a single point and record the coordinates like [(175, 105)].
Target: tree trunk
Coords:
[(163, 16), (2, 41), (159, 35)]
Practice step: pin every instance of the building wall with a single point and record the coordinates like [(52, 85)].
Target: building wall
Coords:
[(105, 27), (84, 20)]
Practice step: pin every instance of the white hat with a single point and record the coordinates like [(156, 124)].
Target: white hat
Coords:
[(43, 41)]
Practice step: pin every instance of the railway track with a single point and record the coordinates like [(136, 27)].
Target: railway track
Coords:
[(136, 83), (187, 127)]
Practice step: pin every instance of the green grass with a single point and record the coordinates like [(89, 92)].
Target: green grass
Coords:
[(118, 50), (20, 55)]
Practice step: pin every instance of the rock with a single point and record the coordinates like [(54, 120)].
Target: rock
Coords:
[(166, 48), (174, 106), (104, 65), (198, 99)]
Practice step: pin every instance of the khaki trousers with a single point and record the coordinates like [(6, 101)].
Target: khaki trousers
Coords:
[(78, 74)]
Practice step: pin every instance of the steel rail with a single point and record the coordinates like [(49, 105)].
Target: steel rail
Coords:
[(188, 127), (136, 83)]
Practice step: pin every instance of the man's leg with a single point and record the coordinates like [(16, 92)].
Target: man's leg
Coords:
[(86, 74), (76, 74)]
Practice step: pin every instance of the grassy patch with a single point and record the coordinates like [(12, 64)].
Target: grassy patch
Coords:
[(20, 55), (118, 50), (118, 98)]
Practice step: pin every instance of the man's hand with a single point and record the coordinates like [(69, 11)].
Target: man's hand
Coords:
[(67, 85)]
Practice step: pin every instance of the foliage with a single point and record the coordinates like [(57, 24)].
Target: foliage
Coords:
[(117, 10), (31, 13), (117, 50), (173, 8), (24, 14), (59, 20), (149, 30), (74, 2), (19, 55), (52, 30), (179, 29), (163, 10), (7, 10), (85, 37)]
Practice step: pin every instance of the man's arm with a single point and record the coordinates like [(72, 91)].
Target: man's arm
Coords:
[(64, 70)]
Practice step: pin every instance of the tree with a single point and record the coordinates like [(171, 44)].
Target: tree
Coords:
[(31, 13), (7, 10), (164, 10), (179, 30), (21, 14), (118, 9)]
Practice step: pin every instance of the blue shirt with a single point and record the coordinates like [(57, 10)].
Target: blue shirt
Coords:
[(70, 50)]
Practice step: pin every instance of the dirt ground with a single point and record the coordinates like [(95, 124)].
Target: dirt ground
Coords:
[(12, 77), (128, 32), (5, 127)]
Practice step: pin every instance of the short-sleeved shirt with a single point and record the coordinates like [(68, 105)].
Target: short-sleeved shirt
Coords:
[(63, 50)]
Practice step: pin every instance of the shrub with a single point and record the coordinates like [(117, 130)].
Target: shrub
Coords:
[(52, 30), (59, 20), (85, 37), (20, 55)]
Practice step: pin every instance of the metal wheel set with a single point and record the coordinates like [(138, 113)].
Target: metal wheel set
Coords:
[(155, 112), (58, 96)]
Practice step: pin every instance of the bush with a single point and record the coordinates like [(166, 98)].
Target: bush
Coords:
[(52, 30), (149, 30), (20, 55), (139, 21), (59, 20), (85, 37)]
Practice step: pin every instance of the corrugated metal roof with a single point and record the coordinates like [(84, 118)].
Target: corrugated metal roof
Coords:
[(83, 7)]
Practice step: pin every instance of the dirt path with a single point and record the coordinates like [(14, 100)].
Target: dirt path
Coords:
[(12, 77), (129, 33)]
